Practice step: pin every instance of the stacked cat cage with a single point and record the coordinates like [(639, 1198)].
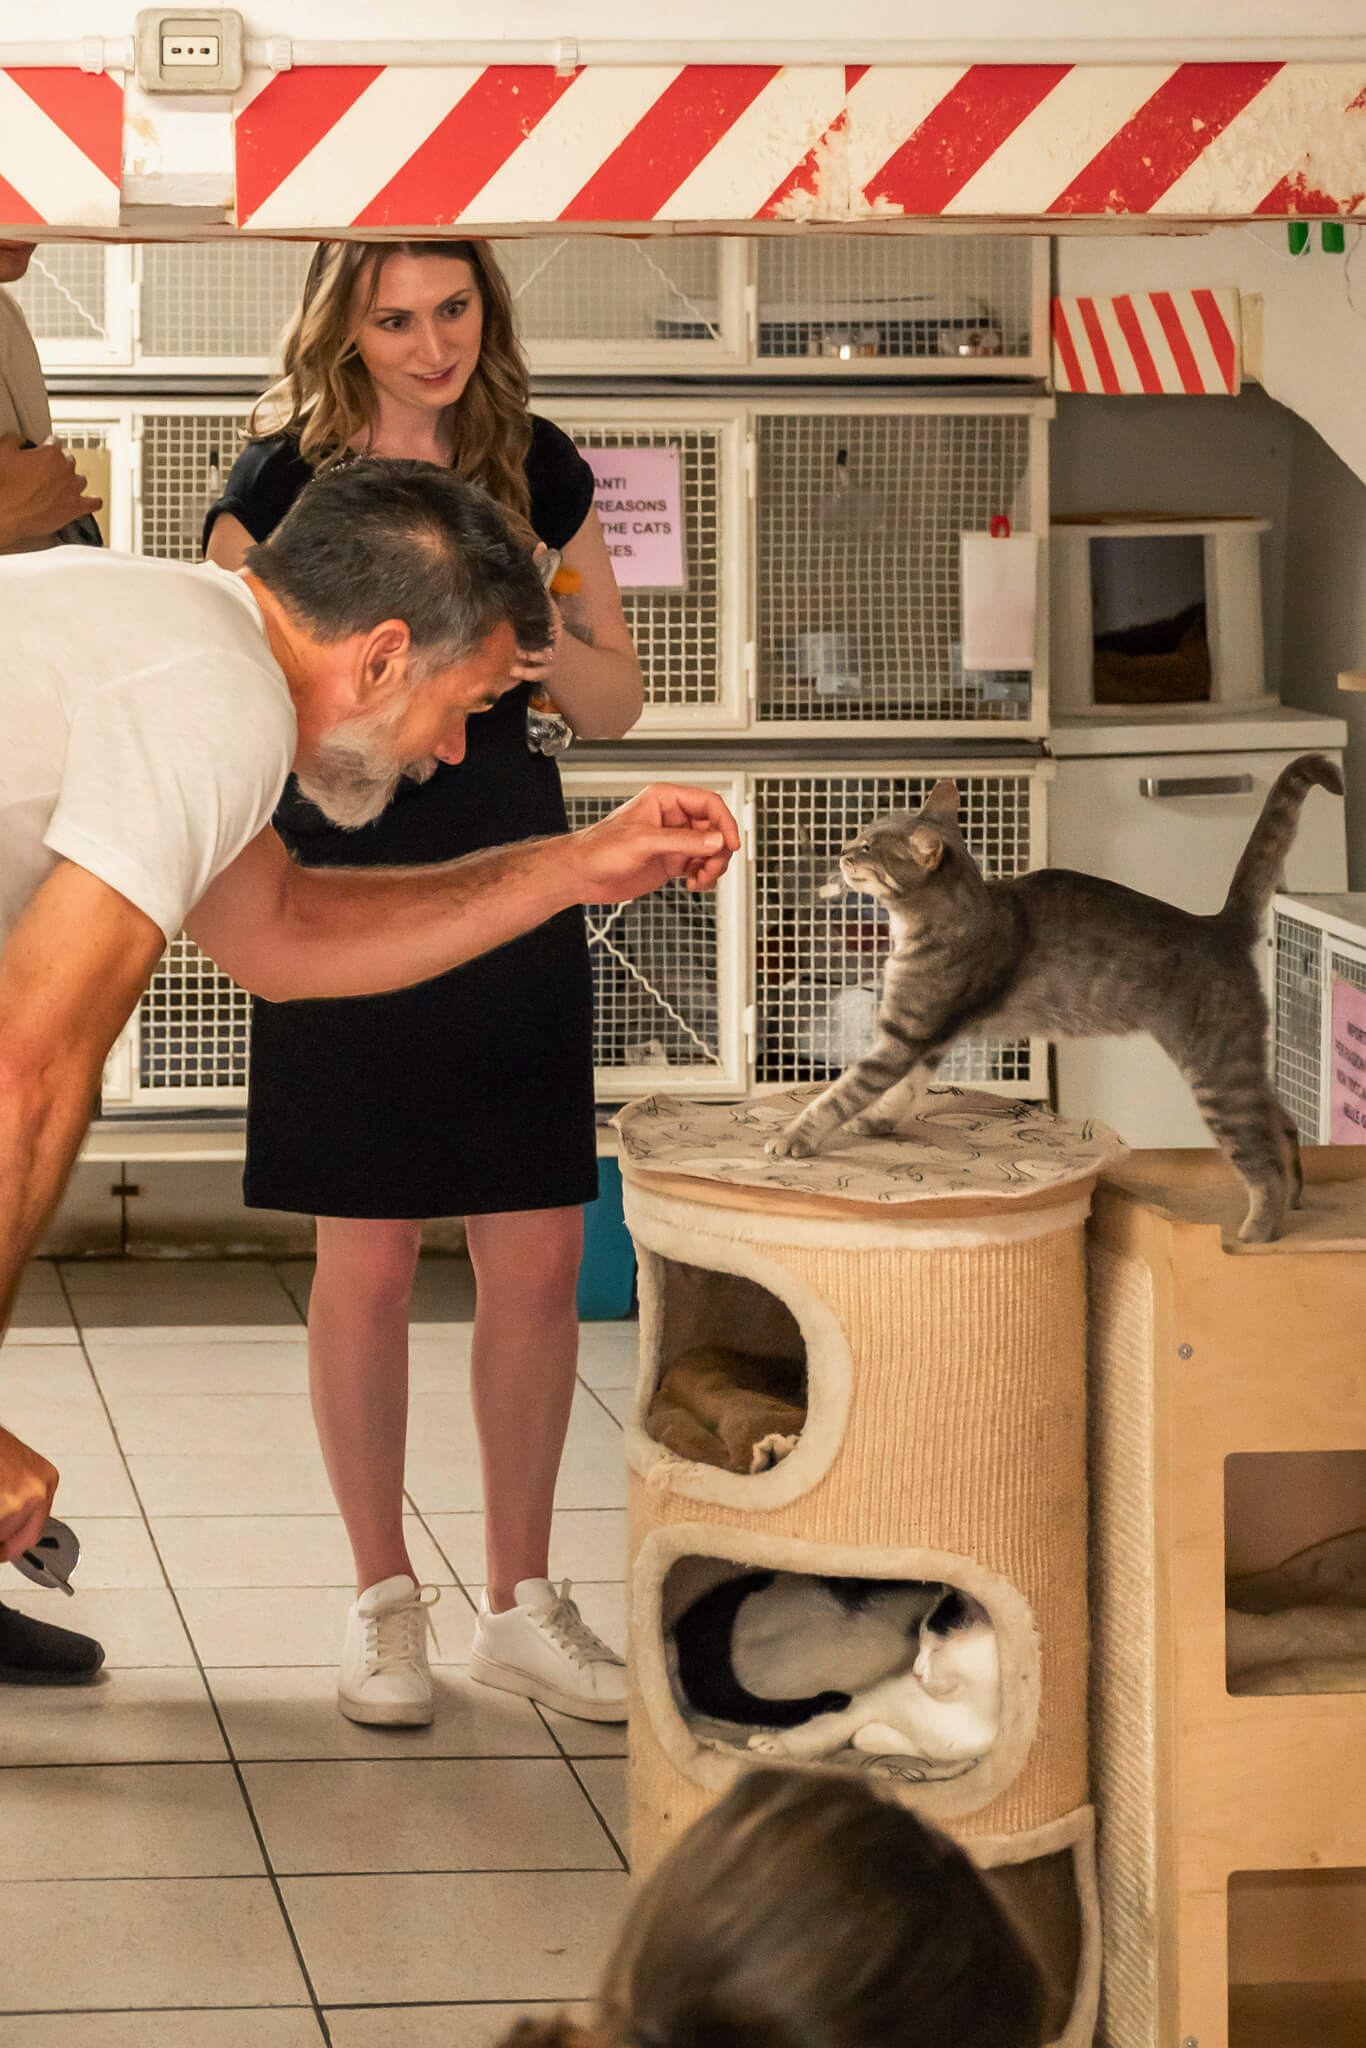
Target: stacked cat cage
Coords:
[(1318, 944), (809, 667)]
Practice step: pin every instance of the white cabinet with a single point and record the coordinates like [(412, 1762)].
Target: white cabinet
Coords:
[(1172, 820)]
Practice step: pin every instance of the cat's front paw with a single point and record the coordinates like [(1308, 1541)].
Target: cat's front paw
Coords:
[(793, 1143)]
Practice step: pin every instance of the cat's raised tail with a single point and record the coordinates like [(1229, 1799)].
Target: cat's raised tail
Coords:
[(1258, 874)]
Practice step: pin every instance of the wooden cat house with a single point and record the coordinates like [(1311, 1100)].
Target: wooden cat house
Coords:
[(932, 1287), (1229, 1434)]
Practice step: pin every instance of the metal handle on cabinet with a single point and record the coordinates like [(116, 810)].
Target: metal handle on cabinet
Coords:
[(1194, 785)]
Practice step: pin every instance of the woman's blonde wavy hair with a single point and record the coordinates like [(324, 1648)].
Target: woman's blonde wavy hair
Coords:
[(325, 399)]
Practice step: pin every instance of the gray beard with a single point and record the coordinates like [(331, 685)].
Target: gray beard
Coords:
[(354, 776)]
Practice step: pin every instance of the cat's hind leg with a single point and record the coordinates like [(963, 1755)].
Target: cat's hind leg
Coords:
[(1247, 1123), (1293, 1162), (821, 1736)]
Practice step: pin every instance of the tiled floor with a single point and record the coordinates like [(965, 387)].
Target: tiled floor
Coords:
[(211, 1856)]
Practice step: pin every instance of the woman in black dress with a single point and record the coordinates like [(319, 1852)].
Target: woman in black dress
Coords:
[(471, 1095)]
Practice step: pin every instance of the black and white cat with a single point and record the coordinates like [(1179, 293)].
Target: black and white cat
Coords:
[(887, 1666)]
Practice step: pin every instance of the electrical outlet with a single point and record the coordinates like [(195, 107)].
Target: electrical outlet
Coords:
[(189, 51)]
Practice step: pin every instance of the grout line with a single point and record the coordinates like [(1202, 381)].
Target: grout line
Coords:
[(573, 1763), (267, 1865), (294, 1876)]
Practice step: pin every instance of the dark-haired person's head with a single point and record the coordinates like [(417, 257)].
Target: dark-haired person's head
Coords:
[(412, 596), (806, 1910)]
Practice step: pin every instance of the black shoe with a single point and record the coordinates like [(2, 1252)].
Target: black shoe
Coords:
[(39, 1653)]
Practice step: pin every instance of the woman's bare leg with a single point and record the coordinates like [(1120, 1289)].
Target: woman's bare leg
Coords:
[(525, 1352), (358, 1378)]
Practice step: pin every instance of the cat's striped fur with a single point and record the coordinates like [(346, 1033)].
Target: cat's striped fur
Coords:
[(1063, 955)]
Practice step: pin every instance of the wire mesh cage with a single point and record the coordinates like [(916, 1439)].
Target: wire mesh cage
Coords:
[(858, 526), (75, 298), (687, 639), (217, 302), (185, 454), (818, 961), (859, 302), (665, 970), (583, 301), (1312, 950), (186, 1045)]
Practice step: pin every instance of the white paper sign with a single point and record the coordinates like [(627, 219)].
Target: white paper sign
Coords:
[(998, 583), (638, 498)]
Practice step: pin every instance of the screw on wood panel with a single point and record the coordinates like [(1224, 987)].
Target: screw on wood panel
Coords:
[(1189, 2041), (1187, 1351)]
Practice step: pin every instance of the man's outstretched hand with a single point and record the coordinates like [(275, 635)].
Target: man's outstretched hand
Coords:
[(27, 1484), (669, 831)]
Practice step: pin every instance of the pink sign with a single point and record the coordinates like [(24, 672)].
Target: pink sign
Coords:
[(638, 498), (1347, 1084)]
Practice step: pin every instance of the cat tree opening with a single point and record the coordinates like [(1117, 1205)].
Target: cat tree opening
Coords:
[(1295, 1562), (1297, 1958), (743, 1385)]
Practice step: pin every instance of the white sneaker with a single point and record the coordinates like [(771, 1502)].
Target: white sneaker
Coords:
[(384, 1679), (544, 1649)]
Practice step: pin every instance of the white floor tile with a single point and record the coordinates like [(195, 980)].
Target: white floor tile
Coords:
[(139, 1629), (532, 1935), (278, 1366), (91, 1484), (433, 2026), (129, 1820), (55, 1372), (425, 1814), (116, 1555), (76, 1426), (40, 1276), (605, 1779), (213, 1425), (620, 1402), (585, 1543), (156, 1942), (298, 1625), (262, 2027), (161, 1327), (128, 1716), (282, 1715), (270, 1483), (609, 1353), (586, 1738), (276, 1550)]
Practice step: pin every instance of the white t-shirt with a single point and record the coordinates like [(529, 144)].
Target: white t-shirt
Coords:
[(146, 729)]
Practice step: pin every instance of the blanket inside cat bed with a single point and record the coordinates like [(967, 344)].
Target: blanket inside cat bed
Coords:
[(740, 1410), (961, 1145), (900, 1677), (1301, 1626)]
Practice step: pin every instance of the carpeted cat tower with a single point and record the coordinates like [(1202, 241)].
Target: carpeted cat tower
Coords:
[(932, 1286)]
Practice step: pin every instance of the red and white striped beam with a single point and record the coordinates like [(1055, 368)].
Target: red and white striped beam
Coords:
[(332, 149), (61, 142), (1148, 342)]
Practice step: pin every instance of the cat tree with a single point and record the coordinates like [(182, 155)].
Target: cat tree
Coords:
[(1229, 1431), (933, 1284)]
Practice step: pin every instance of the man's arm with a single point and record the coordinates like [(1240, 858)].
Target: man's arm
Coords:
[(286, 932), (73, 968)]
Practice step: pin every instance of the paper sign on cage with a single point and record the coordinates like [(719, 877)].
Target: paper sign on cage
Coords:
[(638, 497), (1347, 1087), (998, 590)]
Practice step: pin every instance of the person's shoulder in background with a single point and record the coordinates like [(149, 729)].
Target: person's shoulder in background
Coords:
[(560, 481), (264, 481)]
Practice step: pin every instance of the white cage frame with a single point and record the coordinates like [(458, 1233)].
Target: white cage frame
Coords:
[(109, 344), (960, 1067), (1315, 941), (734, 346)]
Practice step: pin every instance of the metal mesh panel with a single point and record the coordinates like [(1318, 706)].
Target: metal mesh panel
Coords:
[(195, 1026), (185, 457), (601, 288), (1124, 1675), (859, 296), (677, 633), (63, 292), (654, 972), (1297, 1011), (219, 299), (859, 522), (819, 961)]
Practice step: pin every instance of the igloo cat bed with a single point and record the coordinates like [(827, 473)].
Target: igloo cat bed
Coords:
[(931, 1288)]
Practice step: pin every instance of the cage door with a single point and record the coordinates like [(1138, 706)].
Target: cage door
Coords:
[(77, 300), (639, 304)]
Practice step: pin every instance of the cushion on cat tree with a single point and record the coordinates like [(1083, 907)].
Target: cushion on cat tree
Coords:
[(735, 1409)]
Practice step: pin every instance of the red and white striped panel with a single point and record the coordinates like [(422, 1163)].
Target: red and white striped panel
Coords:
[(61, 142), (1149, 342), (354, 147)]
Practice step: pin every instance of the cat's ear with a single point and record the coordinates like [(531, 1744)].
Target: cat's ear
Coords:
[(927, 848), (942, 802)]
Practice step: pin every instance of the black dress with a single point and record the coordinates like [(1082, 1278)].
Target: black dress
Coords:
[(471, 1094)]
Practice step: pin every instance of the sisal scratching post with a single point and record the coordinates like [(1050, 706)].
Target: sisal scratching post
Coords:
[(934, 1285)]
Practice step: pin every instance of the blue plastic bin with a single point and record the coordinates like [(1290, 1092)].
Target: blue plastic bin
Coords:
[(608, 1273)]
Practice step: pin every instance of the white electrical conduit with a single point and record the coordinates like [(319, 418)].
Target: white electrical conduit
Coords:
[(566, 53)]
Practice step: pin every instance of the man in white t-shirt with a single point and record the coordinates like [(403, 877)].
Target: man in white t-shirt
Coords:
[(40, 489), (149, 714)]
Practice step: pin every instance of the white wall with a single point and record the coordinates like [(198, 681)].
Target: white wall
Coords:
[(1313, 351), (1291, 25)]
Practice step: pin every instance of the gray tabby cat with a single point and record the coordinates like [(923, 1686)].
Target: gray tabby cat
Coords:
[(1064, 955)]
